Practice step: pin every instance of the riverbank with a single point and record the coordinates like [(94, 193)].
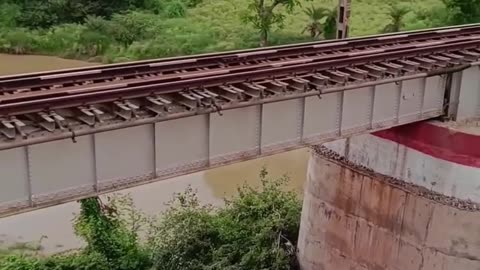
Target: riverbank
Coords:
[(205, 26), (13, 64)]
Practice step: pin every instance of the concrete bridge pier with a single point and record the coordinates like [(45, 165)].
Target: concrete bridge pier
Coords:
[(402, 199)]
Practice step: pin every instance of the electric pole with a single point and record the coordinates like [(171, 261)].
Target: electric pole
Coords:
[(343, 18)]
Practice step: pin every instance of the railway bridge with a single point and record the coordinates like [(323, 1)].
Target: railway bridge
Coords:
[(70, 134), (381, 193)]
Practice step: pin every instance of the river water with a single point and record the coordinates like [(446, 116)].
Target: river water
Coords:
[(53, 225)]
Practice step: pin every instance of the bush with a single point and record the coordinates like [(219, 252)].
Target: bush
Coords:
[(78, 261), (18, 41), (256, 230), (133, 26), (62, 40), (106, 233)]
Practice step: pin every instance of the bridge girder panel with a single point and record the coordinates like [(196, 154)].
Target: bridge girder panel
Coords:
[(14, 180), (411, 99), (468, 95), (234, 135), (182, 144), (49, 173), (386, 105), (60, 170), (357, 110), (322, 117), (434, 95), (124, 156), (282, 125)]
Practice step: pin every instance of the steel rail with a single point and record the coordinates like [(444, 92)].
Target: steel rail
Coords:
[(150, 120), (178, 77), (45, 79), (96, 97)]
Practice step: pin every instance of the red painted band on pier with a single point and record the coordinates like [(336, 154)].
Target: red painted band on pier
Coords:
[(436, 141)]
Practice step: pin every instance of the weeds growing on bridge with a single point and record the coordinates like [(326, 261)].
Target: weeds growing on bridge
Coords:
[(257, 229)]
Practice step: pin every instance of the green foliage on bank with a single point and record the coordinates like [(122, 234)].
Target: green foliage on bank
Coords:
[(121, 30), (257, 229)]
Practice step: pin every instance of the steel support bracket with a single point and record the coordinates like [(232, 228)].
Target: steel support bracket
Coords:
[(90, 115), (51, 121), (125, 109), (11, 126)]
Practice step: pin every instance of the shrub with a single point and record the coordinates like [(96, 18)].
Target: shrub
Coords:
[(78, 261), (106, 233), (256, 230), (18, 41)]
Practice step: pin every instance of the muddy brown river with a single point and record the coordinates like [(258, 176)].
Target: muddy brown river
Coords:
[(53, 225)]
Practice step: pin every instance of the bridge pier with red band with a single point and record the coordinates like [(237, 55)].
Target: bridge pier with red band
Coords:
[(403, 198)]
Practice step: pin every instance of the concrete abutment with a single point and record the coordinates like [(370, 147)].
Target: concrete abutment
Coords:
[(358, 215)]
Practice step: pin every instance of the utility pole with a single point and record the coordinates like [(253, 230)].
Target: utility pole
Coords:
[(343, 18)]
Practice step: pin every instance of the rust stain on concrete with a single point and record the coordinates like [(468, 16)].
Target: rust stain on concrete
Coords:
[(356, 219)]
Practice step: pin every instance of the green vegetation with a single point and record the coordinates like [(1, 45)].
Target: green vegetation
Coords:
[(397, 15), (463, 11), (121, 30), (264, 15), (257, 229), (322, 21)]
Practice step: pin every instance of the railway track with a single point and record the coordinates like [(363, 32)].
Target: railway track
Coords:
[(161, 96), (182, 76), (215, 64)]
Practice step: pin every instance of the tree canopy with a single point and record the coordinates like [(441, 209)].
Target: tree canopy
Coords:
[(463, 11), (264, 15)]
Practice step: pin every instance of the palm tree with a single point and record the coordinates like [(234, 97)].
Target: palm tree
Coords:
[(322, 21), (396, 14), (314, 26), (330, 24)]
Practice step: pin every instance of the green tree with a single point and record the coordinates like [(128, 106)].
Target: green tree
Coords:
[(330, 24), (107, 233), (37, 14), (322, 20), (314, 26), (463, 11), (44, 14), (256, 230), (8, 15), (264, 15), (396, 16)]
